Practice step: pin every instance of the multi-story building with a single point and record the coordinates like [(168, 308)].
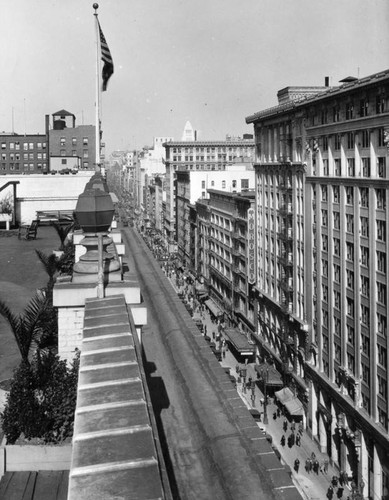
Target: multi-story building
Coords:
[(152, 160), (68, 140), (23, 154), (193, 185), (230, 280), (198, 156), (322, 190)]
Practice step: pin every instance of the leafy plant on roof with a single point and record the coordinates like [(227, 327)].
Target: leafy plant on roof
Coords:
[(6, 204), (42, 400), (30, 326), (63, 230)]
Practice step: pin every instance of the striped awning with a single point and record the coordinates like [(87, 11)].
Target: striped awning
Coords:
[(215, 310)]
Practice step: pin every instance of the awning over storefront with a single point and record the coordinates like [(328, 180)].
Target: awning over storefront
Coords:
[(271, 374), (284, 395), (215, 310), (294, 407), (240, 342)]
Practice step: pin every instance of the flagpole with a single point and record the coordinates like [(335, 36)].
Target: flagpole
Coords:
[(98, 161)]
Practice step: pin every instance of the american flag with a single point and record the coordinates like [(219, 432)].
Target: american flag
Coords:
[(106, 58)]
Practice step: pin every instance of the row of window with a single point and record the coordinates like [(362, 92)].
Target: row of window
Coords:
[(379, 199), (85, 153), (222, 149), (85, 141), (362, 108), (339, 168), (26, 156), (26, 166), (380, 228), (24, 146)]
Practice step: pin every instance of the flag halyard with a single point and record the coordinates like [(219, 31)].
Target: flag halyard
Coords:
[(106, 57)]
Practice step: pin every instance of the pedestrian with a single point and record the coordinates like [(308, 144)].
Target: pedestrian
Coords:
[(297, 465), (330, 492), (205, 329), (339, 493), (334, 481), (293, 426), (313, 456), (308, 465), (237, 368), (285, 425), (316, 466), (326, 463), (282, 440), (298, 440), (292, 438)]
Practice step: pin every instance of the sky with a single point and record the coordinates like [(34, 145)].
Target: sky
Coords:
[(212, 62)]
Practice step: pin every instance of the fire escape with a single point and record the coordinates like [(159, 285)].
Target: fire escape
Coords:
[(286, 272)]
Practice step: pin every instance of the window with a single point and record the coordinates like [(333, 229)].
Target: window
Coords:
[(380, 104), (365, 315), (336, 219), (336, 193), (349, 111), (3, 145), (63, 152), (325, 143), (381, 324), (381, 199), (64, 161), (336, 299), (363, 107), (325, 243), (381, 230), (233, 184), (324, 193), (365, 286), (382, 355), (381, 292), (335, 113), (337, 247), (244, 183), (351, 167), (364, 195), (324, 268), (62, 141), (366, 167), (381, 167), (74, 141), (202, 184), (324, 116), (349, 195), (325, 166), (365, 227), (324, 218), (381, 261), (324, 293), (30, 145), (350, 335), (223, 184), (336, 273), (381, 137), (350, 140), (350, 223), (365, 139), (364, 256), (337, 142), (85, 141), (350, 251), (350, 279)]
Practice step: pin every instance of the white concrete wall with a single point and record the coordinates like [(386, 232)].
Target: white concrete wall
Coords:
[(45, 192), (70, 328)]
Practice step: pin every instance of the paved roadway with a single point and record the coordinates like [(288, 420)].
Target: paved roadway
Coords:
[(205, 452)]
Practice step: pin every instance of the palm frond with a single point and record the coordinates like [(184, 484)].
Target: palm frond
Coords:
[(49, 262)]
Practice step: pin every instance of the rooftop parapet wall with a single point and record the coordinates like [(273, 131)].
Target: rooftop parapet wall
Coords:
[(115, 451)]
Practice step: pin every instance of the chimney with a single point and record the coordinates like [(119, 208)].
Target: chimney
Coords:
[(327, 81)]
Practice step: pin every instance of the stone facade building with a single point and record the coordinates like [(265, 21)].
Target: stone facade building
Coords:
[(322, 281)]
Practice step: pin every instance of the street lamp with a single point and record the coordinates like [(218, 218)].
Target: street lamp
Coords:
[(265, 379)]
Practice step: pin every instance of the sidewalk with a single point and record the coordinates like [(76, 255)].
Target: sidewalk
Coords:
[(311, 485)]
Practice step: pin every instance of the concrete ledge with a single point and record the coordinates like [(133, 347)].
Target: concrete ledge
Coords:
[(114, 446)]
